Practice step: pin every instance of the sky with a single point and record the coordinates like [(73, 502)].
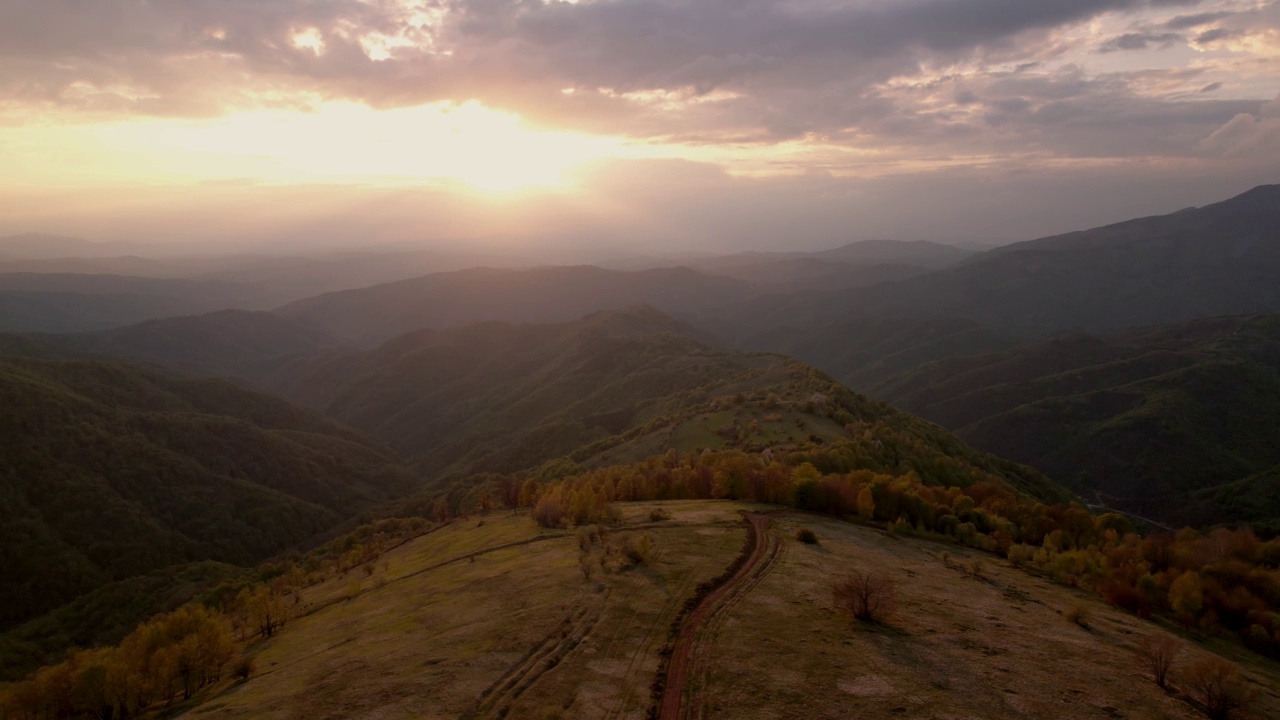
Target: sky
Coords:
[(626, 126)]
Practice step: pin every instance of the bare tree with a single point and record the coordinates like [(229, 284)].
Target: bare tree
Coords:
[(1158, 653), (867, 596)]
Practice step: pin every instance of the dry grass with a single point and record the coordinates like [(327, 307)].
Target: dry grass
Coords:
[(957, 646), (427, 644), (419, 643)]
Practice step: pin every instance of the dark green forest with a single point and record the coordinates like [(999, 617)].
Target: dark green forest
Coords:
[(109, 472), (1177, 423)]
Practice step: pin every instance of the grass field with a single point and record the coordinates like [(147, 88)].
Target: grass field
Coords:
[(495, 619), (751, 426), (956, 647)]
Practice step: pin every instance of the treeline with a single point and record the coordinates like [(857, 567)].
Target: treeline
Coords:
[(174, 655), (170, 656), (106, 615), (1223, 580)]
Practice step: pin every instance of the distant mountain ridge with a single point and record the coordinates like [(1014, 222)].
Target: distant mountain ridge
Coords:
[(228, 343), (554, 294), (1217, 260), (858, 264), (72, 302), (43, 245)]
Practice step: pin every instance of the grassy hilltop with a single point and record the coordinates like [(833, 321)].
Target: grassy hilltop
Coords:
[(495, 614)]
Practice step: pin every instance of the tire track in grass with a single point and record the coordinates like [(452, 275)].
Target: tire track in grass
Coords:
[(497, 700), (696, 703), (651, 630), (756, 560)]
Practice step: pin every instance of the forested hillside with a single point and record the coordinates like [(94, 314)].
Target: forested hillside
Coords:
[(611, 387), (108, 471), (1177, 422)]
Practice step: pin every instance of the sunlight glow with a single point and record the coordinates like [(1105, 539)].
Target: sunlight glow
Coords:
[(485, 149)]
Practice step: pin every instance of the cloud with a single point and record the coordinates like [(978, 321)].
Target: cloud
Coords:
[(871, 85), (196, 57), (1254, 135), (1214, 35), (1139, 41), (1186, 22)]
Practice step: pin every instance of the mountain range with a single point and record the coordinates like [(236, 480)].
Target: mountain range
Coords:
[(165, 432)]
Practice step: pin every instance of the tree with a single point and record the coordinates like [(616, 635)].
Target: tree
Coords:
[(1158, 653), (1186, 596), (866, 504), (528, 493), (549, 512), (265, 609), (804, 486), (867, 596)]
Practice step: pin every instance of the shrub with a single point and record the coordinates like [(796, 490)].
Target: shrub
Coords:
[(244, 669), (638, 550), (588, 535), (867, 596), (1019, 555), (807, 536), (588, 563), (1078, 614), (658, 515), (1216, 685), (549, 512), (1158, 653)]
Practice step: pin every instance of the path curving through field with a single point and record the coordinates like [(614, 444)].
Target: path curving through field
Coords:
[(763, 553)]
